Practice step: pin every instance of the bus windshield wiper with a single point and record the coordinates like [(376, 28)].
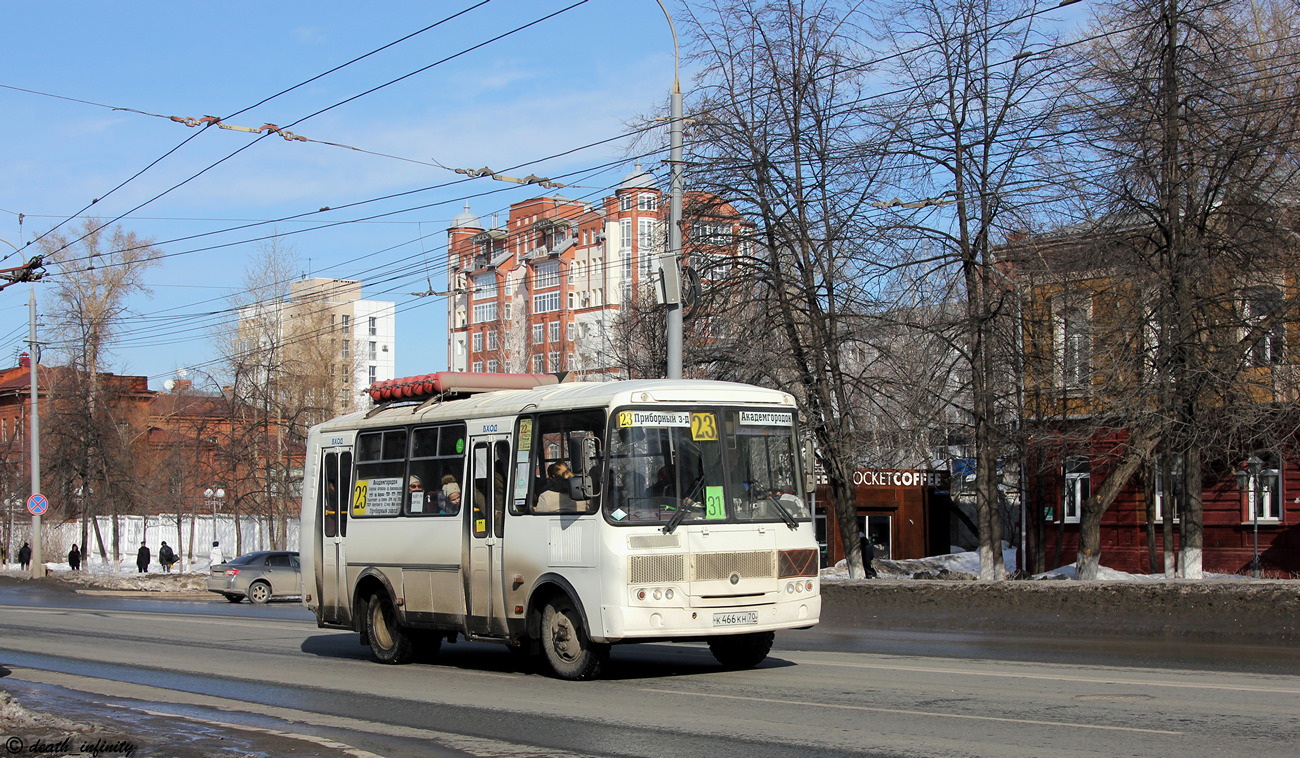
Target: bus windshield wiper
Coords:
[(676, 519), (785, 515)]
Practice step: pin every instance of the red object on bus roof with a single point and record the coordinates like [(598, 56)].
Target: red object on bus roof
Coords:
[(424, 386)]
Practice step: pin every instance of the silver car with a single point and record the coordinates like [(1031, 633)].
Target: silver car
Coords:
[(260, 577)]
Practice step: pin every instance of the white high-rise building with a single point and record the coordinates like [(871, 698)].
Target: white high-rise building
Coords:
[(362, 333)]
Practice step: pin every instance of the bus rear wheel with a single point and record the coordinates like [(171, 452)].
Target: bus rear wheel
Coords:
[(388, 641), (565, 642), (741, 651)]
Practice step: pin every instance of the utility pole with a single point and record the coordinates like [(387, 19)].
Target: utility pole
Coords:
[(38, 567), (670, 262)]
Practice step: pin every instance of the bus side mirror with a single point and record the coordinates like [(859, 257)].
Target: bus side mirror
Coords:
[(584, 460), (584, 453), (580, 487)]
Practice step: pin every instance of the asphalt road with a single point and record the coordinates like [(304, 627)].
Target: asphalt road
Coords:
[(205, 678)]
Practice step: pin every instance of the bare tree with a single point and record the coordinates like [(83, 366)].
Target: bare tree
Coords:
[(90, 438), (776, 134), (974, 119), (636, 339), (1192, 108), (284, 367)]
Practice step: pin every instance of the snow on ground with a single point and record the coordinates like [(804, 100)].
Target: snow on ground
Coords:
[(122, 577), (966, 565), (955, 565)]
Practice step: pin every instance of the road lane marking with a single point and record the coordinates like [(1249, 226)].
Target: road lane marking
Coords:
[(196, 618), (1054, 677), (905, 712)]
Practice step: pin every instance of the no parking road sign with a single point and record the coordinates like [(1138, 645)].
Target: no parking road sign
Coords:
[(37, 504)]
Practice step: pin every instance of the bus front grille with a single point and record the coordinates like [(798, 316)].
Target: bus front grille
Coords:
[(749, 565), (652, 569)]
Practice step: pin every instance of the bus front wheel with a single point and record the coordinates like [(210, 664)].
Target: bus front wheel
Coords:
[(566, 644), (741, 651), (388, 641)]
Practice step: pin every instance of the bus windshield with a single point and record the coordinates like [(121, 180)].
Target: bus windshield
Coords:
[(716, 464)]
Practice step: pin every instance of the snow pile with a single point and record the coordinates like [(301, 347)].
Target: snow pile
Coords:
[(14, 717), (102, 576), (1105, 574), (956, 565), (1112, 575), (966, 565)]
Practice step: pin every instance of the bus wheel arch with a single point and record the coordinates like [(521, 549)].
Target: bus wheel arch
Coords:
[(546, 587), (370, 583), (562, 629)]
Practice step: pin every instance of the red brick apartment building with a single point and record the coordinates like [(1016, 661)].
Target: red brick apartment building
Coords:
[(542, 292), (168, 447)]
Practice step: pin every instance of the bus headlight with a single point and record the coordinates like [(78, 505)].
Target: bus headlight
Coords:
[(655, 594)]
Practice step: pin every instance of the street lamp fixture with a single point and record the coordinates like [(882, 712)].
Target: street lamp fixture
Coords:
[(214, 496)]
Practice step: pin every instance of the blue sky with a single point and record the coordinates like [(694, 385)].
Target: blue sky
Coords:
[(574, 79)]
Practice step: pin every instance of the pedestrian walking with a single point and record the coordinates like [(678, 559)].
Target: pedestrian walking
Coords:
[(215, 557), (142, 558), (166, 557), (74, 558), (25, 556)]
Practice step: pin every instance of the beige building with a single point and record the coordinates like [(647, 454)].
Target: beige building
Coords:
[(326, 326)]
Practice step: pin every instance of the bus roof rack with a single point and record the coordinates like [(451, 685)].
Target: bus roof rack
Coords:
[(452, 385)]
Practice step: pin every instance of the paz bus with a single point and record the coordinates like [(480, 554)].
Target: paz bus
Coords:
[(561, 518)]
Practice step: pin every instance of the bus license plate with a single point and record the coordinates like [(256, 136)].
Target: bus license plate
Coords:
[(735, 619)]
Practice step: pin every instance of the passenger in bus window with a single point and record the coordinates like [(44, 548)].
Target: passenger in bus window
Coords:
[(416, 488), (555, 497), (665, 484), (449, 500)]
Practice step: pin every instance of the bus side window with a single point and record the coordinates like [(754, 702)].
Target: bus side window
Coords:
[(435, 471), (344, 491), (551, 453), (500, 485), (329, 494), (481, 482)]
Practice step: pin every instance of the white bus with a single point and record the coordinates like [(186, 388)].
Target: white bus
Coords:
[(561, 518)]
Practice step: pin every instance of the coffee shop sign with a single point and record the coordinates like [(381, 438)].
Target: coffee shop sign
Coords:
[(898, 478)]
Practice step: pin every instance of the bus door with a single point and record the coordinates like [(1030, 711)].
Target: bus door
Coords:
[(487, 494), (335, 496)]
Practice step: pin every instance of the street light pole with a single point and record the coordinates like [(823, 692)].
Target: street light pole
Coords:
[(38, 565), (214, 496), (1248, 481), (1255, 465), (670, 261)]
